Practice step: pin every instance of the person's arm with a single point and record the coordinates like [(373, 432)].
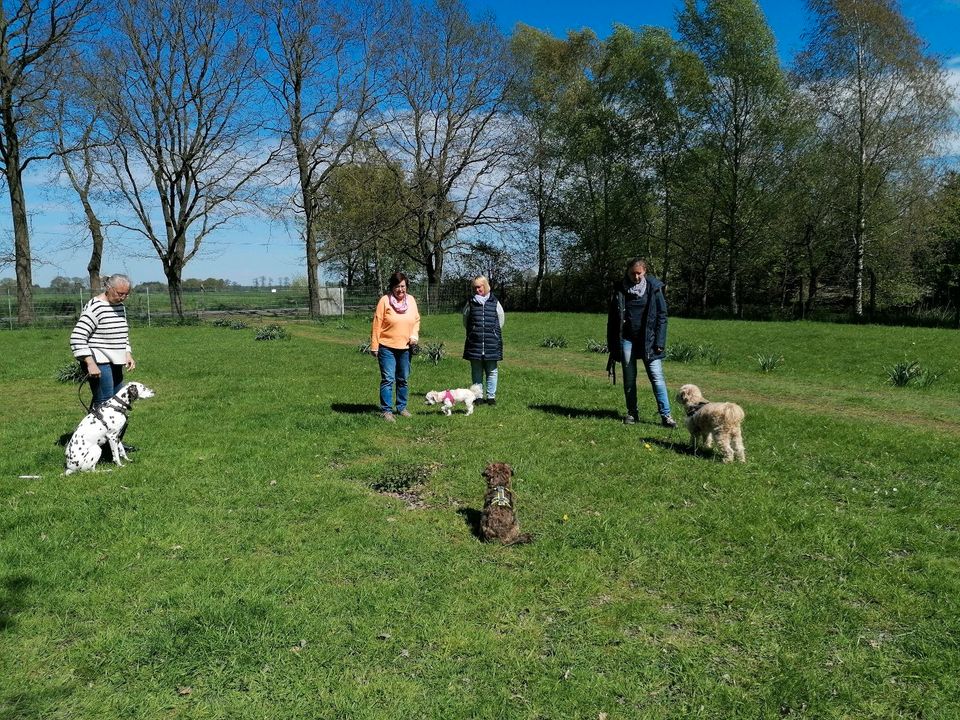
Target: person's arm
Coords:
[(660, 338), (377, 327), (500, 315), (415, 333), (466, 314), (80, 341)]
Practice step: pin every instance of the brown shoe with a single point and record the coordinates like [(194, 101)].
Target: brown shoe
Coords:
[(388, 416), (404, 413)]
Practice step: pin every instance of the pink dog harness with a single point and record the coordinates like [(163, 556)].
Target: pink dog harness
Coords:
[(448, 397)]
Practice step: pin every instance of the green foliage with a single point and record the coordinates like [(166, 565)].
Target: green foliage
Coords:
[(433, 352), (272, 332), (768, 362), (910, 372), (402, 479), (554, 341), (71, 372), (597, 346), (690, 352), (363, 347)]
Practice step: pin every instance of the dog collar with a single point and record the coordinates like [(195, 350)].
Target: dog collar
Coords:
[(694, 409), (448, 397), (500, 499)]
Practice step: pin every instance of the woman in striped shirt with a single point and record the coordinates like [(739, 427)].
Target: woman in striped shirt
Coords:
[(101, 339)]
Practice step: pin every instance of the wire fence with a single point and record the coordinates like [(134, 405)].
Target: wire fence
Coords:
[(57, 308)]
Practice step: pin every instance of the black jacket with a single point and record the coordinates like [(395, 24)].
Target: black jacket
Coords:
[(484, 340), (655, 334)]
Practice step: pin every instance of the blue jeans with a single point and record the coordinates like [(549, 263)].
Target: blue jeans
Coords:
[(654, 370), (107, 385), (479, 368), (394, 368)]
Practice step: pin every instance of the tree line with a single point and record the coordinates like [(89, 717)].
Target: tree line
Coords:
[(402, 134)]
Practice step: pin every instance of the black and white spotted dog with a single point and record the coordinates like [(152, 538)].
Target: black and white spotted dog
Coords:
[(103, 425)]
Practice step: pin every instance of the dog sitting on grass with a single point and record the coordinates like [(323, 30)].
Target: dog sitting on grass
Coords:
[(103, 426), (713, 421), (498, 521), (449, 398)]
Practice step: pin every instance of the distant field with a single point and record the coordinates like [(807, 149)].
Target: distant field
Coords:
[(244, 566)]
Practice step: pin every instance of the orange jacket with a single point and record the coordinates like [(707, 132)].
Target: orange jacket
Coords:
[(392, 329)]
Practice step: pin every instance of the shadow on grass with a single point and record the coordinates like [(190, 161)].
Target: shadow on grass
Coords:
[(32, 703), (574, 412), (471, 517), (354, 408), (680, 447), (12, 588)]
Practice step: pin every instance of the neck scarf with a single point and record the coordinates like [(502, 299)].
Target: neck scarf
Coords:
[(639, 289), (398, 307), (481, 298)]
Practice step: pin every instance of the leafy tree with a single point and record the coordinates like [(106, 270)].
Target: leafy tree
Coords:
[(550, 75), (884, 106), (744, 119), (661, 89), (362, 223)]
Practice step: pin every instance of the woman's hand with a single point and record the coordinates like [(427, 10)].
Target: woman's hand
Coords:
[(130, 364), (93, 370), (373, 352)]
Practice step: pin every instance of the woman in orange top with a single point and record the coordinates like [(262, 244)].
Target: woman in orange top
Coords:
[(396, 329)]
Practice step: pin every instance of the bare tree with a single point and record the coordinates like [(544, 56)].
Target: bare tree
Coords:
[(34, 34), (449, 74), (325, 58), (76, 125), (883, 101), (177, 85)]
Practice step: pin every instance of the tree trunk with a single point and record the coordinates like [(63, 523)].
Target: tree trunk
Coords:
[(21, 227), (96, 252), (173, 271), (541, 258)]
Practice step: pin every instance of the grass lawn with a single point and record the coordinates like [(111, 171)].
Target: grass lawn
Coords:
[(241, 566)]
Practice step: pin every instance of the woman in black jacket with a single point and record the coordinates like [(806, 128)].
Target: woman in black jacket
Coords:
[(637, 330), (483, 319)]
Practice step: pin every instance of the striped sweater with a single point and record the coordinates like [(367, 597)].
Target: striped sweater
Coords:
[(101, 331)]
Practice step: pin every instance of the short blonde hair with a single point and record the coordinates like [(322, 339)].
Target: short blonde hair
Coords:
[(482, 279)]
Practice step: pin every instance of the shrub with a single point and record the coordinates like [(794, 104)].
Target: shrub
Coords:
[(682, 352), (434, 352), (363, 347), (597, 346), (768, 363), (71, 372), (402, 479), (554, 341), (272, 332), (238, 325), (927, 377), (903, 373), (221, 322)]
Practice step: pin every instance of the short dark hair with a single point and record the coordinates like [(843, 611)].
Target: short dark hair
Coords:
[(635, 261), (396, 279)]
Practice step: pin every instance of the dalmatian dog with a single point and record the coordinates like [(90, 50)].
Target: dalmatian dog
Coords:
[(103, 424)]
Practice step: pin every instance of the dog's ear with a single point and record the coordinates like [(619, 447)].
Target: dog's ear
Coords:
[(132, 392)]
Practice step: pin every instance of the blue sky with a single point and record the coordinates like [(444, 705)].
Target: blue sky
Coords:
[(256, 248)]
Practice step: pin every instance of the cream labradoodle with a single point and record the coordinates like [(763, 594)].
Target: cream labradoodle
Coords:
[(709, 421)]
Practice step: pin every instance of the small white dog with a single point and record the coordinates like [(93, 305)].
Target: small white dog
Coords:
[(103, 425), (709, 421), (449, 398)]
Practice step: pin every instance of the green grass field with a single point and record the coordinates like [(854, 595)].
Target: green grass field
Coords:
[(242, 567)]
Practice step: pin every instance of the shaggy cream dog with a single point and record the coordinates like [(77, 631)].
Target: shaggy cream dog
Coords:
[(709, 421), (449, 398)]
